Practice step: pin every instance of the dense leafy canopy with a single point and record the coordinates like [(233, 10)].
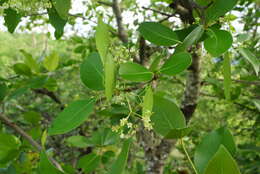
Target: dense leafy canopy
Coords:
[(117, 81)]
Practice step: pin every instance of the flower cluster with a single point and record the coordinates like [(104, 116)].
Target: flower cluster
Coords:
[(125, 128), (146, 118)]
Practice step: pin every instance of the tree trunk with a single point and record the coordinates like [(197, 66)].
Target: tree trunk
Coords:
[(157, 150)]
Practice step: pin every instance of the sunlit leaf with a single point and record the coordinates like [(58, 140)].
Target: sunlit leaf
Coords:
[(71, 117)]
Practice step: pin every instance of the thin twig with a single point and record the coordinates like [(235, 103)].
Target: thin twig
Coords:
[(158, 11), (188, 156), (21, 132)]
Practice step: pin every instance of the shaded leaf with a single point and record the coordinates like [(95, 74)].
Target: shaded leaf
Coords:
[(57, 22), (22, 69), (12, 19), (192, 38), (30, 61), (104, 137), (3, 91), (89, 162), (92, 72), (78, 141)]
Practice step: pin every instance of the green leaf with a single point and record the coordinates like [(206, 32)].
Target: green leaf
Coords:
[(12, 19), (178, 133), (222, 163), (71, 117), (104, 137), (92, 72), (158, 34), (51, 62), (147, 105), (257, 104), (210, 145), (119, 165), (78, 141), (62, 7), (135, 72), (102, 39), (110, 69), (251, 58), (191, 38), (89, 162), (32, 117), (37, 82), (46, 167), (219, 42), (57, 22), (166, 116), (227, 75), (9, 147), (176, 63), (30, 61), (22, 69), (3, 91), (219, 8)]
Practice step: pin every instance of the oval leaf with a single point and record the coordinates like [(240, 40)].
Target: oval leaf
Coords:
[(219, 42), (222, 162), (3, 91), (135, 72), (210, 145), (158, 34), (22, 69), (166, 116), (71, 117), (176, 63), (92, 72), (51, 62)]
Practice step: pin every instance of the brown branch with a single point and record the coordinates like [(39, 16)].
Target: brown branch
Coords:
[(159, 12), (21, 132), (50, 94), (122, 34), (105, 3)]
